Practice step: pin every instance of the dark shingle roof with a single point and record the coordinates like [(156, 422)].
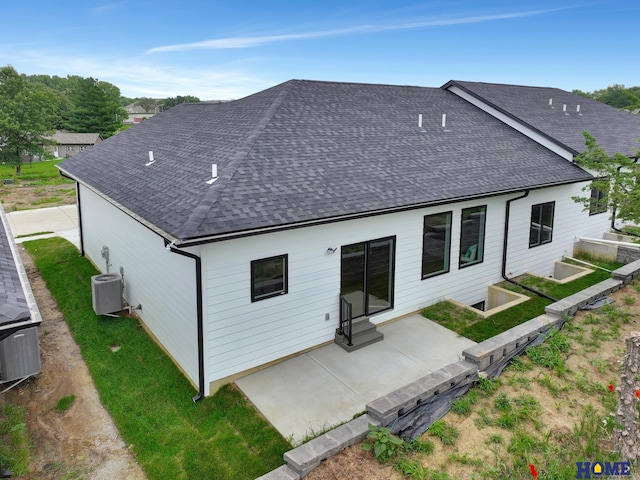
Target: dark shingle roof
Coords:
[(615, 130), (307, 151), (13, 304)]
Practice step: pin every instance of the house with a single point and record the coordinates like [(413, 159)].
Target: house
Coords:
[(19, 315), (68, 144), (138, 113), (246, 230)]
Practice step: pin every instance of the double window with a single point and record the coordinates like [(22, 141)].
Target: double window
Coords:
[(268, 277), (541, 229), (436, 244), (472, 235)]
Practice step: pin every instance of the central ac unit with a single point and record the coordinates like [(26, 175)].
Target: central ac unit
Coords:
[(106, 290)]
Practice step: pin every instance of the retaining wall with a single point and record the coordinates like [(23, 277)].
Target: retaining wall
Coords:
[(482, 357)]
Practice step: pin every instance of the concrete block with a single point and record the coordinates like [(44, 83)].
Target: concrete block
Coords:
[(281, 473), (628, 272)]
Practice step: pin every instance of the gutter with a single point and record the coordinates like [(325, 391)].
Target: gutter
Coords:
[(504, 251), (200, 317)]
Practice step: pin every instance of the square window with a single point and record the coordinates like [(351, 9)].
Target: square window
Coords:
[(71, 149), (472, 235), (436, 244), (541, 229), (268, 277)]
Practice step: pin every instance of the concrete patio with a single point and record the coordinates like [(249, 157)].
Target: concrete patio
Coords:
[(327, 386)]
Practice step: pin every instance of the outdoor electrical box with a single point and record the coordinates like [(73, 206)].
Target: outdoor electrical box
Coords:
[(106, 291), (20, 355)]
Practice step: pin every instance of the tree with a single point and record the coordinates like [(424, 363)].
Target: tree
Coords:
[(95, 108), (28, 113), (148, 104), (169, 102), (617, 182)]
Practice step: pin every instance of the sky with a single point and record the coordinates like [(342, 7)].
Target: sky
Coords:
[(221, 50)]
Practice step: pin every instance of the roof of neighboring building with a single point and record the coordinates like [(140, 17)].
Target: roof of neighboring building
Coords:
[(615, 130), (68, 138), (13, 304), (307, 151)]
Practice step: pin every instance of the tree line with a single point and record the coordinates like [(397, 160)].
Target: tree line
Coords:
[(617, 96), (33, 107)]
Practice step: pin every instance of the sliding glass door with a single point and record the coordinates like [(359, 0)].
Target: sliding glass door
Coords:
[(367, 271)]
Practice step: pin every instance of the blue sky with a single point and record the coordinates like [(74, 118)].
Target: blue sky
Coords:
[(228, 49)]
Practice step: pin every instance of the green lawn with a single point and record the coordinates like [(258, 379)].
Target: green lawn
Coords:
[(36, 173), (472, 326), (149, 399)]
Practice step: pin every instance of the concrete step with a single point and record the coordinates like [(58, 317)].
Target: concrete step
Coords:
[(364, 333)]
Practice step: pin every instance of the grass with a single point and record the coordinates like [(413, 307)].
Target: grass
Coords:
[(474, 327), (36, 173), (147, 396), (14, 440), (65, 403)]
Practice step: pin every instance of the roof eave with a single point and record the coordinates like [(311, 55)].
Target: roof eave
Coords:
[(204, 239)]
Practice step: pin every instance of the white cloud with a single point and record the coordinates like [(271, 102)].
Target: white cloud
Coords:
[(245, 42)]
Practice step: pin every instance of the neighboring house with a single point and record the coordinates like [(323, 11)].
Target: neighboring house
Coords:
[(19, 315), (138, 114), (241, 227), (69, 144)]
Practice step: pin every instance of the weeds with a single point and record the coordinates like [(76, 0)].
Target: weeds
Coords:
[(385, 446), (448, 434), (550, 354)]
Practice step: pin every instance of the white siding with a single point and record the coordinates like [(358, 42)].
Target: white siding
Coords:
[(569, 222), (161, 281), (242, 335)]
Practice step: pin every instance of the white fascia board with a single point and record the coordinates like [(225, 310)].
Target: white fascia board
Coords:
[(529, 132)]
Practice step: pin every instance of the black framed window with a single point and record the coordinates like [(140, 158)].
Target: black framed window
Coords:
[(472, 229), (436, 244), (541, 230), (268, 277), (598, 203)]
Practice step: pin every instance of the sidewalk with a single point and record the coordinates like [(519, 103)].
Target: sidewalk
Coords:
[(60, 221)]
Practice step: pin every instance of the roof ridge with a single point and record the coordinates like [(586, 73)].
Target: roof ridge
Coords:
[(194, 220)]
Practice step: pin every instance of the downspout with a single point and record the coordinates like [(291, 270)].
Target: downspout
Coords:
[(79, 211), (79, 218), (200, 395), (504, 251)]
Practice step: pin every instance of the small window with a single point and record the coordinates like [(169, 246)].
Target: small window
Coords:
[(598, 203), (82, 149), (436, 244), (268, 277), (472, 235), (541, 229), (71, 149)]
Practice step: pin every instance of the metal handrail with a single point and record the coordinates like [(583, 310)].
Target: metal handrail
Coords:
[(345, 328)]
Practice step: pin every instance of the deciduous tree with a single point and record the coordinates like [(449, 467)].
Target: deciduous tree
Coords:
[(28, 113), (617, 178)]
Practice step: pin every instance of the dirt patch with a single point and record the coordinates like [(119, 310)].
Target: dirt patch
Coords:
[(23, 196), (82, 442), (593, 362)]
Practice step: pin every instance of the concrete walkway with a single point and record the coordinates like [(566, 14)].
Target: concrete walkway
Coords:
[(62, 221), (328, 386)]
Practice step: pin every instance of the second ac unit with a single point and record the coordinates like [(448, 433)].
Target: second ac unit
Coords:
[(106, 291)]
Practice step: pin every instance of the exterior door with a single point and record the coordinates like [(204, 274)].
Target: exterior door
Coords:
[(367, 272)]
